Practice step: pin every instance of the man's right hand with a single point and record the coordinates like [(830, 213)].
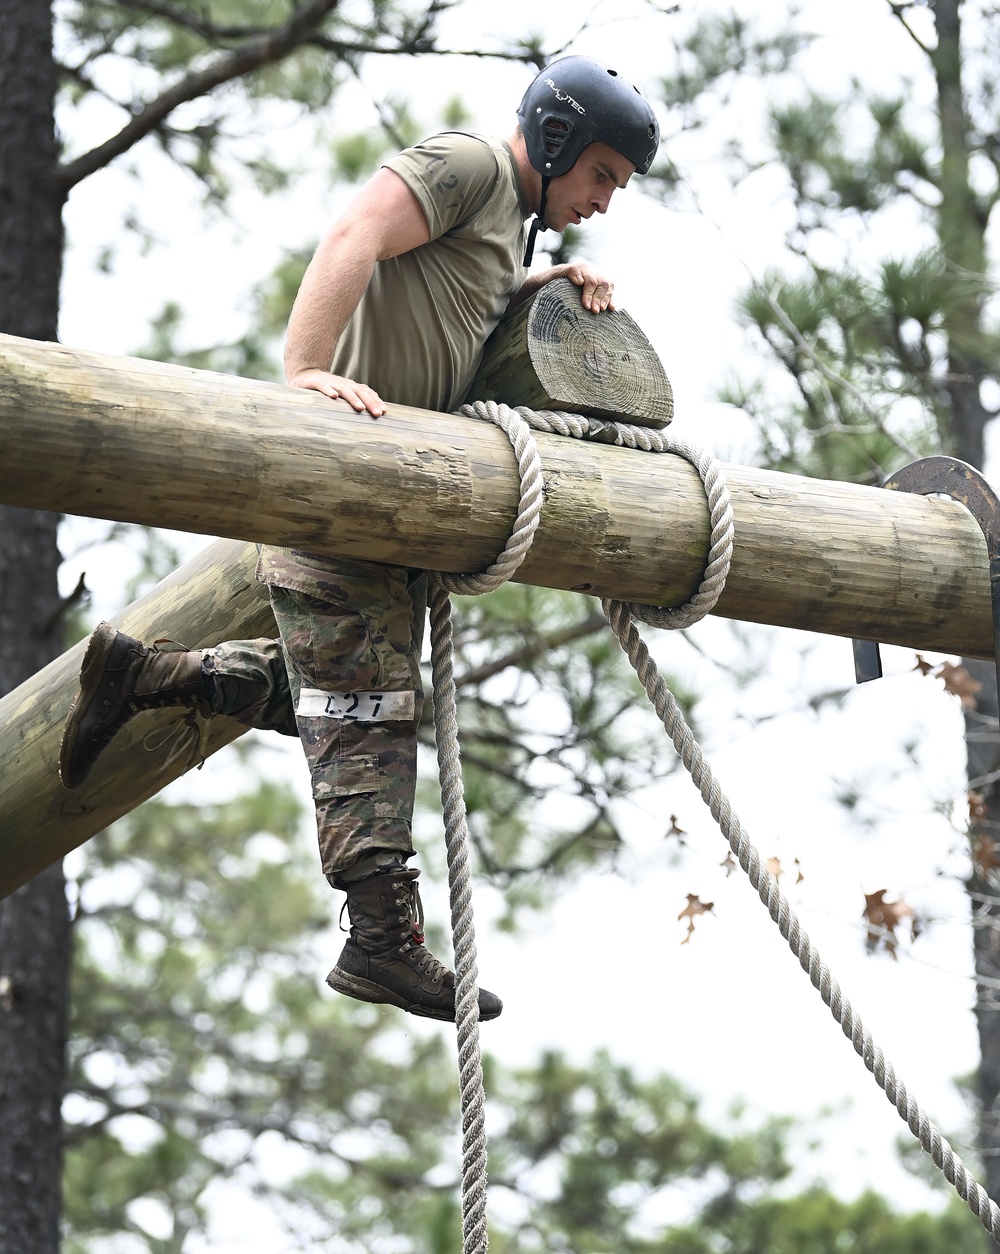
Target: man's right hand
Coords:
[(358, 395)]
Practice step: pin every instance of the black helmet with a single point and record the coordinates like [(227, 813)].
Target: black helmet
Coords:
[(577, 101)]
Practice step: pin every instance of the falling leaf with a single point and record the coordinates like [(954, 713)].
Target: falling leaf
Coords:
[(694, 907), (985, 851), (958, 681), (883, 917), (774, 868), (676, 830), (799, 877), (977, 806), (922, 665), (729, 863)]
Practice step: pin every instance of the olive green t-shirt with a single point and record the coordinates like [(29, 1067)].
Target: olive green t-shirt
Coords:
[(418, 334)]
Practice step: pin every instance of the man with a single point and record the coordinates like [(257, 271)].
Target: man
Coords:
[(398, 301)]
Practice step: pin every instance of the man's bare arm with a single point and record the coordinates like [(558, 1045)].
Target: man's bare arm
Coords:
[(384, 220)]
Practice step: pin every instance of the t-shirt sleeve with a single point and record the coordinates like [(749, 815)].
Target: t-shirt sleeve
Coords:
[(451, 175)]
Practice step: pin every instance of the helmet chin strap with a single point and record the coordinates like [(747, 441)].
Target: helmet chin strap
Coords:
[(539, 223)]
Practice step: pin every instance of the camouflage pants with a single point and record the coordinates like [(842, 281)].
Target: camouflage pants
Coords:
[(344, 677)]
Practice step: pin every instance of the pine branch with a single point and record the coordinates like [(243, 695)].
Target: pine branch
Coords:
[(510, 872), (265, 50), (528, 652), (187, 20), (899, 11), (831, 375), (414, 46)]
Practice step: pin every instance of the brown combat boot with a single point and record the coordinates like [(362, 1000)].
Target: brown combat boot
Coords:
[(119, 677), (386, 960)]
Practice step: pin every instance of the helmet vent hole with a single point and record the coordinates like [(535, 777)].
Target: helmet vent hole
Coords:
[(555, 132)]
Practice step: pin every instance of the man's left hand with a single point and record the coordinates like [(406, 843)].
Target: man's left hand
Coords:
[(598, 291)]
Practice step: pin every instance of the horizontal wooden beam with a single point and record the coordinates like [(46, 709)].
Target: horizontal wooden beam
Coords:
[(164, 445), (140, 441)]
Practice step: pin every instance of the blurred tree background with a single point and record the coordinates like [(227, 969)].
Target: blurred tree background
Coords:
[(881, 328), (203, 1066)]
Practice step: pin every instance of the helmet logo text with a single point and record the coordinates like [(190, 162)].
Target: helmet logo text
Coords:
[(564, 96)]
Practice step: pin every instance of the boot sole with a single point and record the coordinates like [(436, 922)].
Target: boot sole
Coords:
[(91, 672), (365, 990)]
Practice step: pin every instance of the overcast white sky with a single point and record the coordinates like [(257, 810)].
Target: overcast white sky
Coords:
[(730, 1013)]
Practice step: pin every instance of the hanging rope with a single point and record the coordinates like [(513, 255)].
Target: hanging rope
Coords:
[(515, 423), (475, 1237), (748, 856), (622, 616)]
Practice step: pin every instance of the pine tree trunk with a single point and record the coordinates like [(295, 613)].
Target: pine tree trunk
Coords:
[(983, 749), (34, 926), (962, 229)]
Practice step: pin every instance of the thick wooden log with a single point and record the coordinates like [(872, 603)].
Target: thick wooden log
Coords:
[(211, 598), (551, 353), (165, 445), (136, 440)]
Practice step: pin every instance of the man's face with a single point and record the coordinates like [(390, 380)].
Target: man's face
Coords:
[(587, 188)]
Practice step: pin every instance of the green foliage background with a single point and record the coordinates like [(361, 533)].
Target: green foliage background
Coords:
[(204, 1048)]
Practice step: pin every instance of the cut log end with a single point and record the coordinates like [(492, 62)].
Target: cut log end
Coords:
[(554, 354)]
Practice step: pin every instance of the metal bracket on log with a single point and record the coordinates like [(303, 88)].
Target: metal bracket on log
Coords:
[(949, 477)]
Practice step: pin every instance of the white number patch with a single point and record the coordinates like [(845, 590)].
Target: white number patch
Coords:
[(363, 707)]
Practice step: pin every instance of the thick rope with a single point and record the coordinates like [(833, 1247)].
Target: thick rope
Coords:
[(621, 615), (517, 426), (651, 440), (689, 751), (475, 1236)]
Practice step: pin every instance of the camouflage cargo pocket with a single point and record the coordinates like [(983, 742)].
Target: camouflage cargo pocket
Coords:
[(346, 792), (346, 626), (329, 646)]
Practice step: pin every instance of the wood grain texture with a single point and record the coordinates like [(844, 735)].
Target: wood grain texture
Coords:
[(169, 446), (551, 353)]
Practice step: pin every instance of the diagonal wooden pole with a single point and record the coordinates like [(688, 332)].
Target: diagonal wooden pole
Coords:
[(213, 597)]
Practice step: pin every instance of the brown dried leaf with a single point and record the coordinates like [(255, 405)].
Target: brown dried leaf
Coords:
[(985, 853), (799, 877), (977, 806), (883, 917), (729, 864), (922, 665), (694, 907), (958, 681), (774, 868), (675, 830)]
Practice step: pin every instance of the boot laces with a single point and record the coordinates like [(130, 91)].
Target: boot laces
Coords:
[(186, 739), (423, 959)]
